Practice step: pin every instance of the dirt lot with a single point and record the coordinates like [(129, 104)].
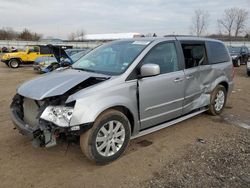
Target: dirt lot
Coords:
[(204, 151)]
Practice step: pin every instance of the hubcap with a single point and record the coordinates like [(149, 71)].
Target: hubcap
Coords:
[(14, 63), (110, 138), (219, 100)]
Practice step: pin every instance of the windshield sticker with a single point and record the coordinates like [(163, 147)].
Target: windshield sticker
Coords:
[(141, 42)]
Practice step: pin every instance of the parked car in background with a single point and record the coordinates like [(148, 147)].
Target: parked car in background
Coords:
[(248, 68), (28, 56), (240, 55), (123, 90), (13, 60), (7, 50), (4, 50), (48, 64)]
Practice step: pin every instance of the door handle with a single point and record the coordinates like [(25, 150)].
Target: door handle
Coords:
[(178, 79), (189, 77)]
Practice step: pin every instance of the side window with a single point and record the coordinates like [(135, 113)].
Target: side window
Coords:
[(165, 56), (194, 54), (217, 52), (34, 49)]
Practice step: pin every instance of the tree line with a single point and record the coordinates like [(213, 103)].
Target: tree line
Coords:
[(232, 24), (10, 34)]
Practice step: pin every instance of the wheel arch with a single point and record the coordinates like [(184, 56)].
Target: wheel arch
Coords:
[(126, 112), (225, 84), (18, 58), (89, 107)]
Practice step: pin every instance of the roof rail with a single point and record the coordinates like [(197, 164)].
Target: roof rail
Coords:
[(179, 36)]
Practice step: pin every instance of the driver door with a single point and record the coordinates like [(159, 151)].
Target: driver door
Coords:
[(161, 97)]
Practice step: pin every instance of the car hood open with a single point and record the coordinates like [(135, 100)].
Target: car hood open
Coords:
[(55, 83)]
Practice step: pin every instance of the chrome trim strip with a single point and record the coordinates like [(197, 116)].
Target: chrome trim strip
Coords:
[(163, 104), (162, 114)]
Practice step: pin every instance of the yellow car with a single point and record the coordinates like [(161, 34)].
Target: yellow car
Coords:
[(28, 56)]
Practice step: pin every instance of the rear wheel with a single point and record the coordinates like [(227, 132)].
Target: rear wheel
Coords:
[(108, 138), (14, 63), (218, 100)]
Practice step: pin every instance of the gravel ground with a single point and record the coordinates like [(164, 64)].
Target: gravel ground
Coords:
[(217, 162)]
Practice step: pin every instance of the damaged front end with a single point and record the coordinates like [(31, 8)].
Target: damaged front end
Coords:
[(47, 120)]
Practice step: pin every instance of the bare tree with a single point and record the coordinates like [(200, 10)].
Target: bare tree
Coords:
[(78, 35), (240, 20), (72, 36), (227, 22), (234, 20), (199, 22)]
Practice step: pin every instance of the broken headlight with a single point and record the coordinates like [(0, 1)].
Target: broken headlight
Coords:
[(59, 115)]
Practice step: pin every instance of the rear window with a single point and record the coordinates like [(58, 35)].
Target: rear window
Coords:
[(217, 52)]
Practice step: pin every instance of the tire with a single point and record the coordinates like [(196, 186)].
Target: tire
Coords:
[(237, 63), (100, 152), (248, 73), (14, 63), (218, 100)]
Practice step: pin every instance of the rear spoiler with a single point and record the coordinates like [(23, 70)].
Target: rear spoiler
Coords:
[(59, 52)]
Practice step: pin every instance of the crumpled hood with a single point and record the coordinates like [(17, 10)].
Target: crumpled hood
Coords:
[(54, 84)]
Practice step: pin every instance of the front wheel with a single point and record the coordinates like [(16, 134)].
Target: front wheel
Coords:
[(218, 100), (108, 138), (14, 63)]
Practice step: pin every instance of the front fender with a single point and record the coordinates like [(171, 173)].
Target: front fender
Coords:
[(88, 109)]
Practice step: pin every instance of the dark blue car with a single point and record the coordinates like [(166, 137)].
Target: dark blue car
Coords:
[(48, 64)]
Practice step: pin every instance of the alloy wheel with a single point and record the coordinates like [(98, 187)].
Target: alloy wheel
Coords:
[(219, 100), (110, 138)]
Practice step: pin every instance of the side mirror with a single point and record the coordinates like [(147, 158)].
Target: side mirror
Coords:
[(150, 70)]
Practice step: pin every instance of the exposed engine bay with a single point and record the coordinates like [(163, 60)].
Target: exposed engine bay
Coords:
[(48, 120)]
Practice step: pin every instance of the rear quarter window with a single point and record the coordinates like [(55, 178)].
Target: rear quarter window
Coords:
[(217, 52)]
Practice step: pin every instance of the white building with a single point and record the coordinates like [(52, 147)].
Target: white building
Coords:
[(111, 36)]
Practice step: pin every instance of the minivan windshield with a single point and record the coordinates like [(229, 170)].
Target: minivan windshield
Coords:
[(112, 58)]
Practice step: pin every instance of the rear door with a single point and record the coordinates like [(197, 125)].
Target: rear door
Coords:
[(196, 67), (161, 97)]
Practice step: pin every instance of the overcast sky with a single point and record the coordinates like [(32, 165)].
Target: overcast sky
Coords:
[(58, 18)]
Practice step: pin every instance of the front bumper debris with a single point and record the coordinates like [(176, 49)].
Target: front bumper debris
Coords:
[(22, 127), (44, 134)]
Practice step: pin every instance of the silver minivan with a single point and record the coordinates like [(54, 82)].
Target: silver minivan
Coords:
[(122, 90)]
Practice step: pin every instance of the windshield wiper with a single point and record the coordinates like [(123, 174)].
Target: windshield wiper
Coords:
[(87, 70)]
